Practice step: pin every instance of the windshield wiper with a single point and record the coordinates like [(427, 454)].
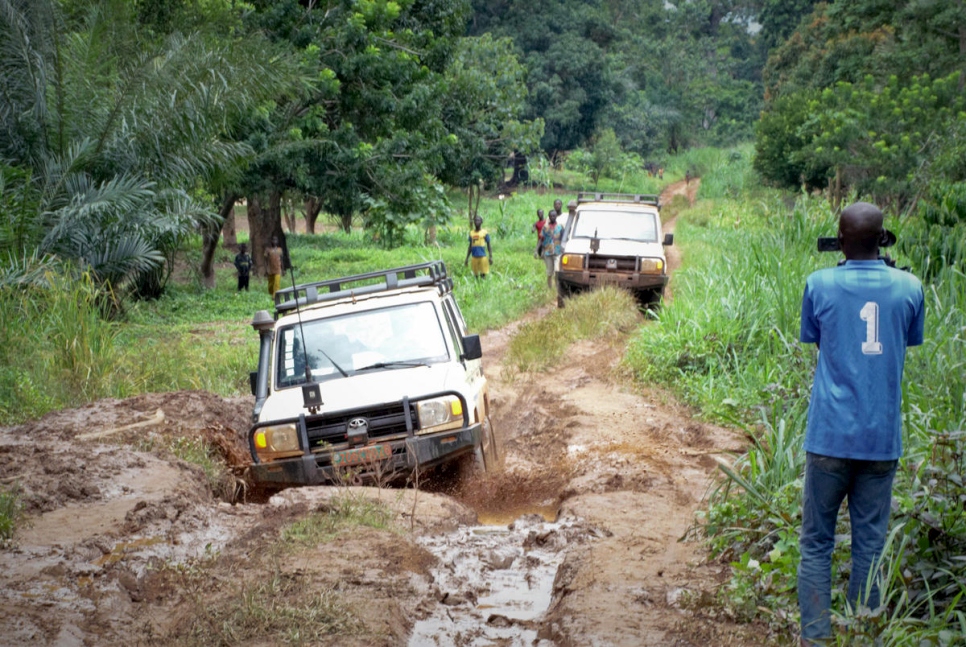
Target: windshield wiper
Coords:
[(396, 364), (332, 361)]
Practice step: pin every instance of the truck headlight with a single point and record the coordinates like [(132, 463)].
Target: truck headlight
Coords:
[(652, 266), (277, 441), (572, 262), (439, 414)]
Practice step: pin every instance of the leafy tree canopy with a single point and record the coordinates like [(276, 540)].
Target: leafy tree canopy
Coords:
[(867, 96), (661, 75), (106, 136)]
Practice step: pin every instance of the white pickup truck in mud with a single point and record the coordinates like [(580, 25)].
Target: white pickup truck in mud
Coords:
[(370, 376), (615, 239)]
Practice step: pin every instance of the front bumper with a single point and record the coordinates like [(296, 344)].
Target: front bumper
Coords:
[(629, 280), (408, 454)]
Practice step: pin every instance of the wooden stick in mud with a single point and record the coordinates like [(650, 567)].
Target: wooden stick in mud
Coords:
[(156, 420)]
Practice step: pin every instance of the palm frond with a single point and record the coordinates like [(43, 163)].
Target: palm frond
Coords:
[(28, 270)]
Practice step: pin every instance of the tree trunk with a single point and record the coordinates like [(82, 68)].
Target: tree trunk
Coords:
[(209, 237), (229, 234), (291, 218), (259, 234), (275, 211), (345, 221), (312, 208)]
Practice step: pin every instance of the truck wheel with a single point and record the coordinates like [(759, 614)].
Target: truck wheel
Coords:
[(491, 451), (471, 464)]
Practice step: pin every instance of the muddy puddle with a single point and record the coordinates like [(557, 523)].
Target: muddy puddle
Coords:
[(495, 582)]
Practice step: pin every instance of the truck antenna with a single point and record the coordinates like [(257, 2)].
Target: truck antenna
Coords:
[(305, 352), (298, 311)]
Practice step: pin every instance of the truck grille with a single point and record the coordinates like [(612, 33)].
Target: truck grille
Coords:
[(389, 420), (623, 263)]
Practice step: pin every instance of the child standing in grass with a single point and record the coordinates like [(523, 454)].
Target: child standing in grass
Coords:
[(479, 250), (273, 259), (243, 263)]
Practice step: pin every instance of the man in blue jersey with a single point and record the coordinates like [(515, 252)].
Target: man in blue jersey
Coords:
[(862, 315)]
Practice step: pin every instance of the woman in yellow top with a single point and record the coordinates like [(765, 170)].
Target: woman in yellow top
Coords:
[(479, 250)]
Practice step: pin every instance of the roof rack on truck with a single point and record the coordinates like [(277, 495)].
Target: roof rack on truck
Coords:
[(305, 294), (641, 198)]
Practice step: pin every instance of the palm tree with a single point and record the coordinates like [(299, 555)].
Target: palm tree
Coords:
[(106, 146)]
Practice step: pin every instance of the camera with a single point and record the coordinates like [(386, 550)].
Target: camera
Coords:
[(831, 243), (888, 239)]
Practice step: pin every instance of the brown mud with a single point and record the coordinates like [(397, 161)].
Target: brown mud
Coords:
[(577, 541)]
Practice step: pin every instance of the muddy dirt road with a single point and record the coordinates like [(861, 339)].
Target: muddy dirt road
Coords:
[(575, 542)]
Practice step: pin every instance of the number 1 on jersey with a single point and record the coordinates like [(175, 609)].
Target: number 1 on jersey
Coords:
[(870, 315)]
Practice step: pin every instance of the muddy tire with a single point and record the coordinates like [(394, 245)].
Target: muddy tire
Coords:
[(492, 456), (471, 465)]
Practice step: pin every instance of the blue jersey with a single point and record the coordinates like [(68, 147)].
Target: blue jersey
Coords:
[(863, 315)]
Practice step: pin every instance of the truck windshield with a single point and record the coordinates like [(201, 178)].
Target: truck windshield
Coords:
[(408, 334), (616, 224)]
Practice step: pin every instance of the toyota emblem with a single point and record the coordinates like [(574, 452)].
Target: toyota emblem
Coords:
[(358, 423)]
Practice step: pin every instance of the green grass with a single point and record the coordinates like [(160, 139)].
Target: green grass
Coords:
[(282, 609), (343, 512), (591, 315), (11, 515)]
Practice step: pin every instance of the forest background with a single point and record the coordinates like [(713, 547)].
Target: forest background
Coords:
[(129, 131)]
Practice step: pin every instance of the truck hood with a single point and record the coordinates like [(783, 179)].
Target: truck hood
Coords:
[(615, 247), (369, 388)]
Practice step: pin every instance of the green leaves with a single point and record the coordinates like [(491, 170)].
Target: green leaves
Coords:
[(111, 127), (878, 139)]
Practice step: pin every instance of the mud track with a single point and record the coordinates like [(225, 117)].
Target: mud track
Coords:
[(578, 541)]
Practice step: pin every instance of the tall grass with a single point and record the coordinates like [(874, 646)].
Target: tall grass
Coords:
[(591, 315), (727, 344), (728, 338), (11, 514)]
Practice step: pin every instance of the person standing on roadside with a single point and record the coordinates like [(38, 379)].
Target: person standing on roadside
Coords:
[(862, 315), (538, 227), (273, 262), (243, 263), (479, 249), (558, 207), (550, 240)]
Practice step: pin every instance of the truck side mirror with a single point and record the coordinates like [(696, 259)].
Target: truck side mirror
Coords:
[(668, 239), (472, 349), (253, 380)]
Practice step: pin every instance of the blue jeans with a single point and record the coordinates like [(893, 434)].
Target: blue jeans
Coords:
[(828, 481)]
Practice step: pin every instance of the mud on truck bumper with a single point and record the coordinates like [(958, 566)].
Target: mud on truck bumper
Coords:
[(382, 456), (590, 278)]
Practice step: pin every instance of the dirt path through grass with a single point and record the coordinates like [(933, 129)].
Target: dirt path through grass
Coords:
[(127, 545)]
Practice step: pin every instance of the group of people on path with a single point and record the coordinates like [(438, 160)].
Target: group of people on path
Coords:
[(549, 242), (550, 237)]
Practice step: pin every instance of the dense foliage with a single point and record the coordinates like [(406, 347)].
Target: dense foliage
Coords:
[(867, 96), (104, 135), (662, 75)]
